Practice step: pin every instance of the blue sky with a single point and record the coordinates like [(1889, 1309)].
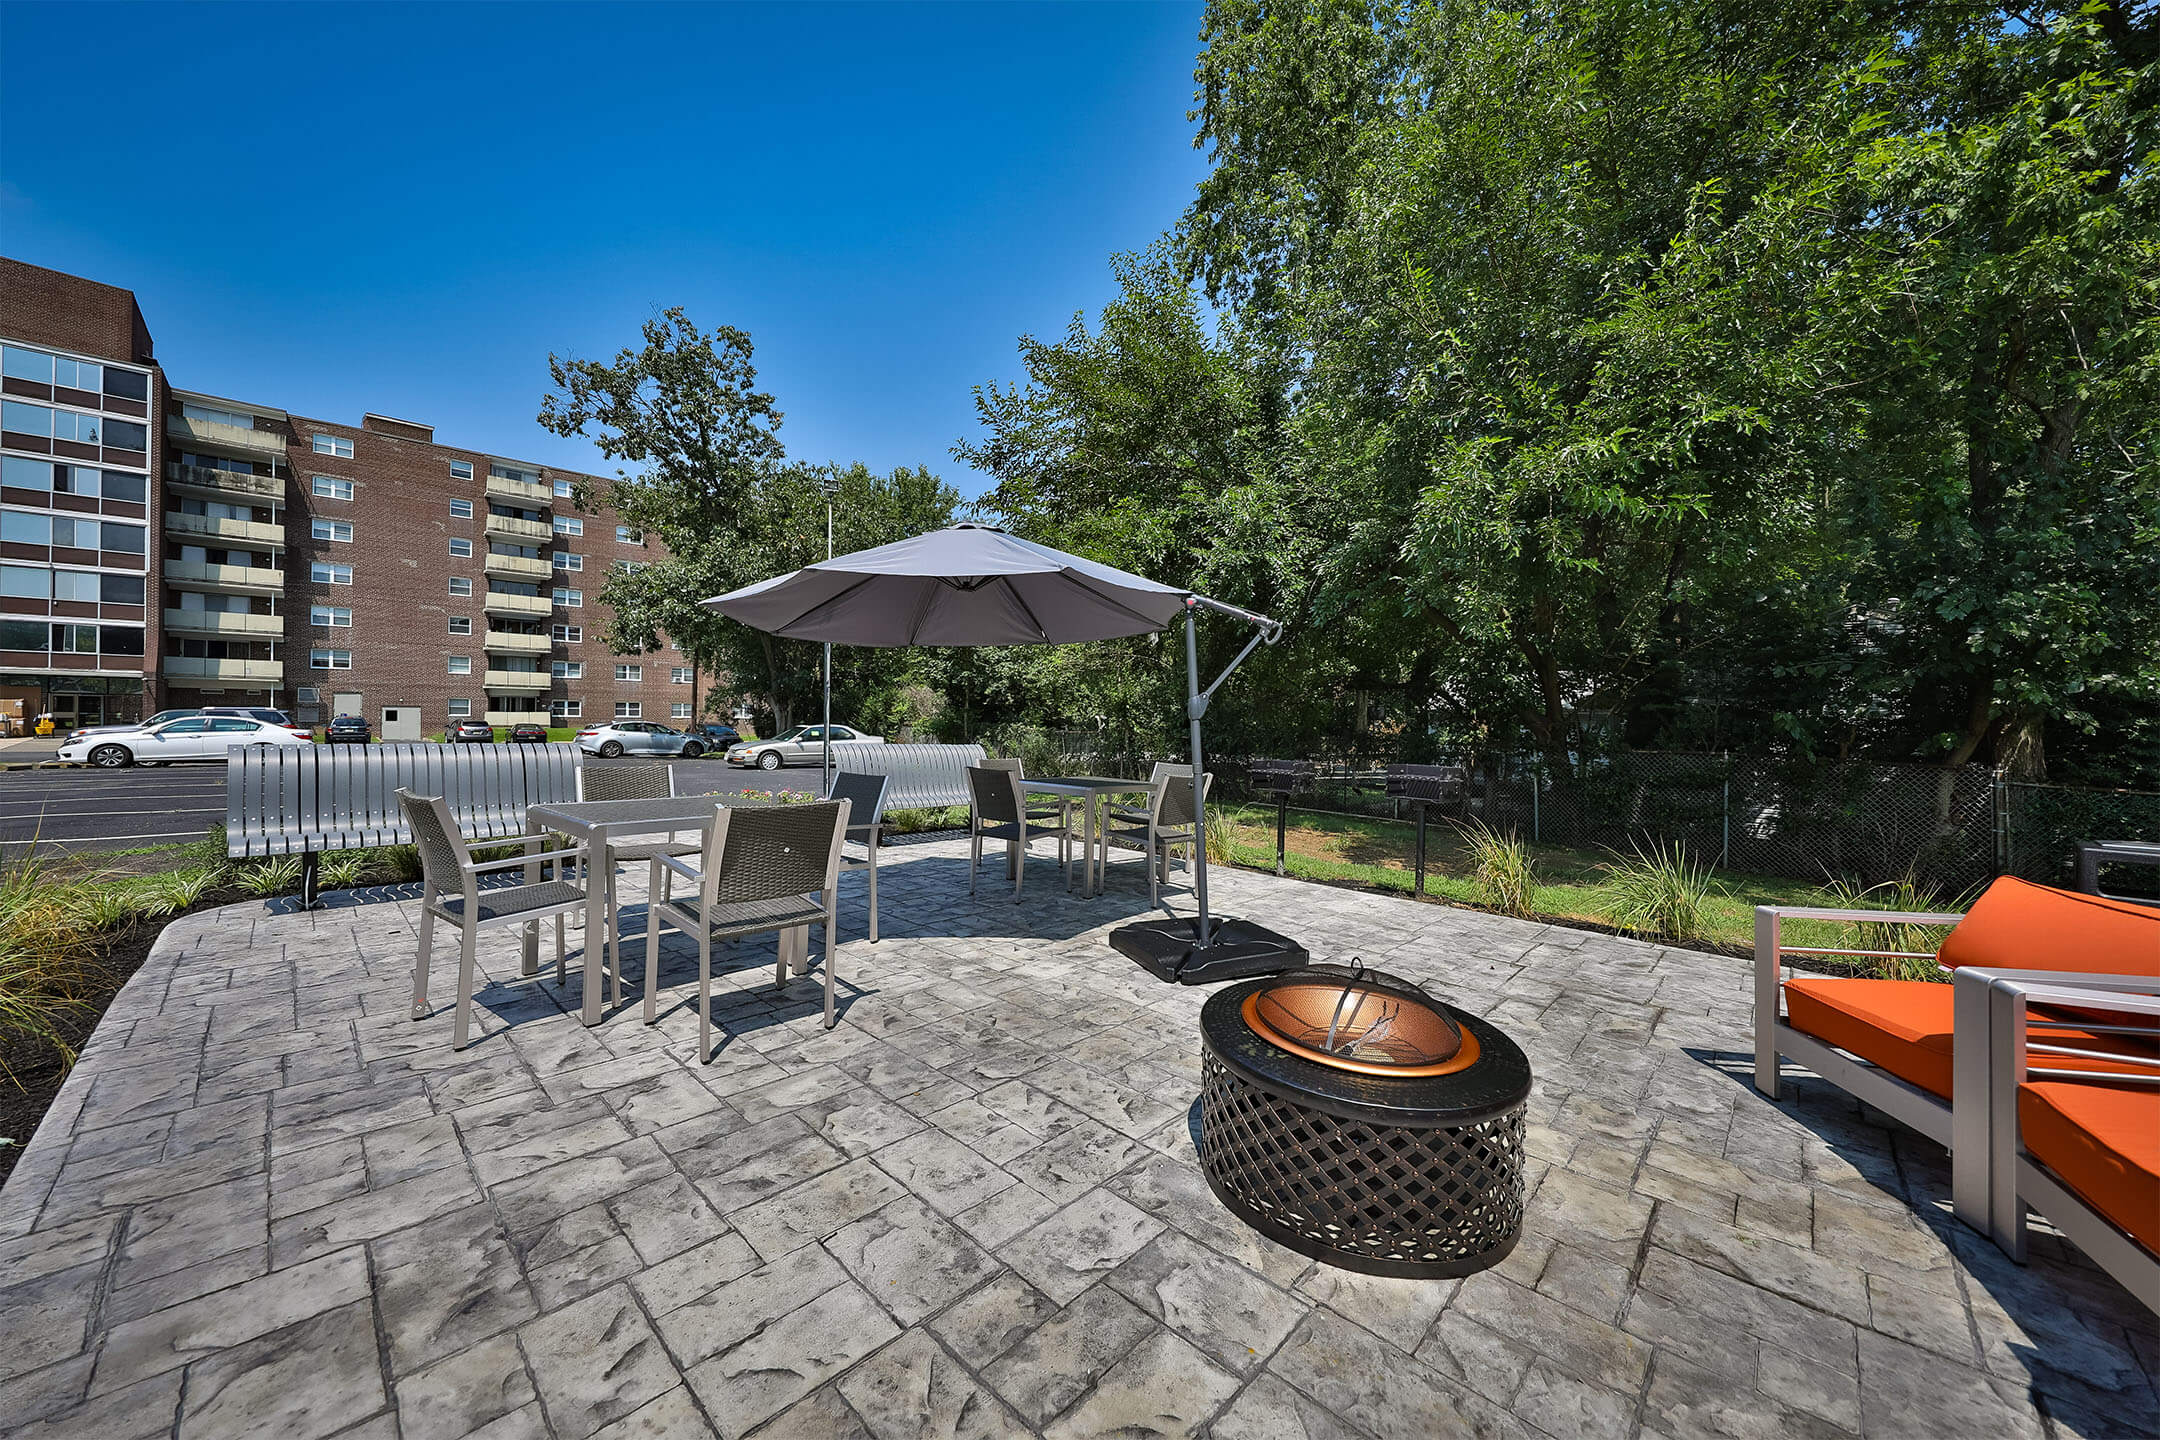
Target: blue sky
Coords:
[(406, 208)]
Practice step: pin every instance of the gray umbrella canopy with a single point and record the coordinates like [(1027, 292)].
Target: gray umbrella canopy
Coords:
[(967, 585)]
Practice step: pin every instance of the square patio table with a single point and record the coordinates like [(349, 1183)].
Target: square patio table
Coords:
[(1089, 790), (599, 824)]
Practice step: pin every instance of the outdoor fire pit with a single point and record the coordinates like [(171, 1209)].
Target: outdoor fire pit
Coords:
[(1349, 1115)]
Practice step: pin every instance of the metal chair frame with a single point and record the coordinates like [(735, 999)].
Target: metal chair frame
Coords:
[(865, 794), (755, 862), (1163, 831), (631, 780), (998, 811), (448, 870)]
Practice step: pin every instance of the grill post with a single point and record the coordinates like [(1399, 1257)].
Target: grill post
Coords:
[(1282, 777)]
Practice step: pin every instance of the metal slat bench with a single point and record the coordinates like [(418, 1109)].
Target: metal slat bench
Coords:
[(921, 776), (313, 799)]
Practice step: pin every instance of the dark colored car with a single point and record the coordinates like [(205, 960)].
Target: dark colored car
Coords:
[(471, 732), (528, 734), (347, 730), (717, 737)]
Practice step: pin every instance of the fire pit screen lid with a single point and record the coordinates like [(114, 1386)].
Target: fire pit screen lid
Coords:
[(1357, 1019)]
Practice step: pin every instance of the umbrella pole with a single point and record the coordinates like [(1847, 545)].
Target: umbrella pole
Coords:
[(1193, 710)]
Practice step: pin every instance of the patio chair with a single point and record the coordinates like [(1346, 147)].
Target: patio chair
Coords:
[(450, 888), (1138, 814), (766, 868), (630, 780), (1170, 819), (998, 813), (2079, 1145), (865, 795), (1055, 811)]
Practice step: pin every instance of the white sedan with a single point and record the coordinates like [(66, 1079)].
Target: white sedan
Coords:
[(197, 737), (803, 745)]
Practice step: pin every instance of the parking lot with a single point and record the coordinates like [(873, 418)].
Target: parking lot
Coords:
[(83, 809)]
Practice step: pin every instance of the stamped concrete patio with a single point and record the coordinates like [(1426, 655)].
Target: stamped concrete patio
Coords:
[(269, 1204)]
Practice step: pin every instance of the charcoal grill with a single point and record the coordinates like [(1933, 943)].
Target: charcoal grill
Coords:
[(1424, 785), (1349, 1115), (1281, 778)]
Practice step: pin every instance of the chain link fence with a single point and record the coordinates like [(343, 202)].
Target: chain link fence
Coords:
[(1864, 823)]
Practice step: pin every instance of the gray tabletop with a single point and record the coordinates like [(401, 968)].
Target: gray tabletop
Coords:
[(1083, 785), (613, 819)]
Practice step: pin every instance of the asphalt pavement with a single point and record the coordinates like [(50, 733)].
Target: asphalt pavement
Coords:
[(83, 809)]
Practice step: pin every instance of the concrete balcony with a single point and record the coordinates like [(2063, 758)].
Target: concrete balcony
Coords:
[(208, 480), (522, 717), (225, 437), (518, 680), (517, 567), (223, 622), (246, 579), (500, 602), (509, 642), (187, 667), (255, 530), (509, 527), (530, 494)]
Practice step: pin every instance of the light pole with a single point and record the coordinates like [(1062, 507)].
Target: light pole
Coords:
[(829, 485)]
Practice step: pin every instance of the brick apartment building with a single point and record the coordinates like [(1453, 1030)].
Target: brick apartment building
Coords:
[(162, 547)]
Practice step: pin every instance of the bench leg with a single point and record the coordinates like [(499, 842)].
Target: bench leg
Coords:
[(310, 879)]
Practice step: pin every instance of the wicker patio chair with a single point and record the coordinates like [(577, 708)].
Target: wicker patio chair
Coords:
[(1138, 814), (768, 868), (629, 780), (865, 795), (450, 886), (1055, 811), (1171, 819), (997, 814)]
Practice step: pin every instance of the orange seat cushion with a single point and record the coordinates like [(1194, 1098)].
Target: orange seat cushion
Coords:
[(2103, 1141), (2021, 926), (1904, 1027)]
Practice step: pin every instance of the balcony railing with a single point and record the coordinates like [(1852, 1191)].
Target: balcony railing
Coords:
[(188, 667), (230, 437), (529, 493), (256, 530), (223, 482), (223, 622), (518, 679), (509, 642), (516, 567), (510, 527), (504, 603), (522, 717), (226, 577)]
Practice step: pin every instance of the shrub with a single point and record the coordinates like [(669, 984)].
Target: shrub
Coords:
[(166, 895), (1500, 872), (1221, 831), (1662, 892), (401, 862), (49, 974), (345, 870), (271, 877)]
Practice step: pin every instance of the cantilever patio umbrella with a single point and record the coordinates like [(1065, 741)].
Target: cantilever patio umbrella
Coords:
[(976, 585)]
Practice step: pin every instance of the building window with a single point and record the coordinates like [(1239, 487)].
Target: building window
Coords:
[(461, 509), (459, 585), (569, 669), (564, 560), (329, 659), (336, 531), (323, 574), (569, 525), (329, 487), (680, 675), (462, 549), (680, 710), (629, 536), (562, 489), (569, 599), (458, 709), (461, 624), (333, 445), (330, 617), (629, 710), (461, 470), (567, 709), (567, 634), (630, 674), (461, 664)]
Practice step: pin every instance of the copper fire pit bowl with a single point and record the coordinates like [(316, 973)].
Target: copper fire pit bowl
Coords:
[(1359, 1020)]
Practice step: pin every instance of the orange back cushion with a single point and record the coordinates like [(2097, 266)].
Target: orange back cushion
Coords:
[(2021, 926)]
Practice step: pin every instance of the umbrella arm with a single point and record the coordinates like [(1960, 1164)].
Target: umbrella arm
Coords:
[(1196, 706)]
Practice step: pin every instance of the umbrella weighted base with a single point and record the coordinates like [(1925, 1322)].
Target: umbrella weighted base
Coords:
[(1169, 950)]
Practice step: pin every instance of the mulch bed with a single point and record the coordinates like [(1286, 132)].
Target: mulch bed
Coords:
[(37, 1070)]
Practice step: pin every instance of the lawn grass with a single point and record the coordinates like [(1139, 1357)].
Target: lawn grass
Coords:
[(1572, 886)]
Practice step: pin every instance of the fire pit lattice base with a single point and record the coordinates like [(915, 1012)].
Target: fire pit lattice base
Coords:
[(1411, 1177)]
